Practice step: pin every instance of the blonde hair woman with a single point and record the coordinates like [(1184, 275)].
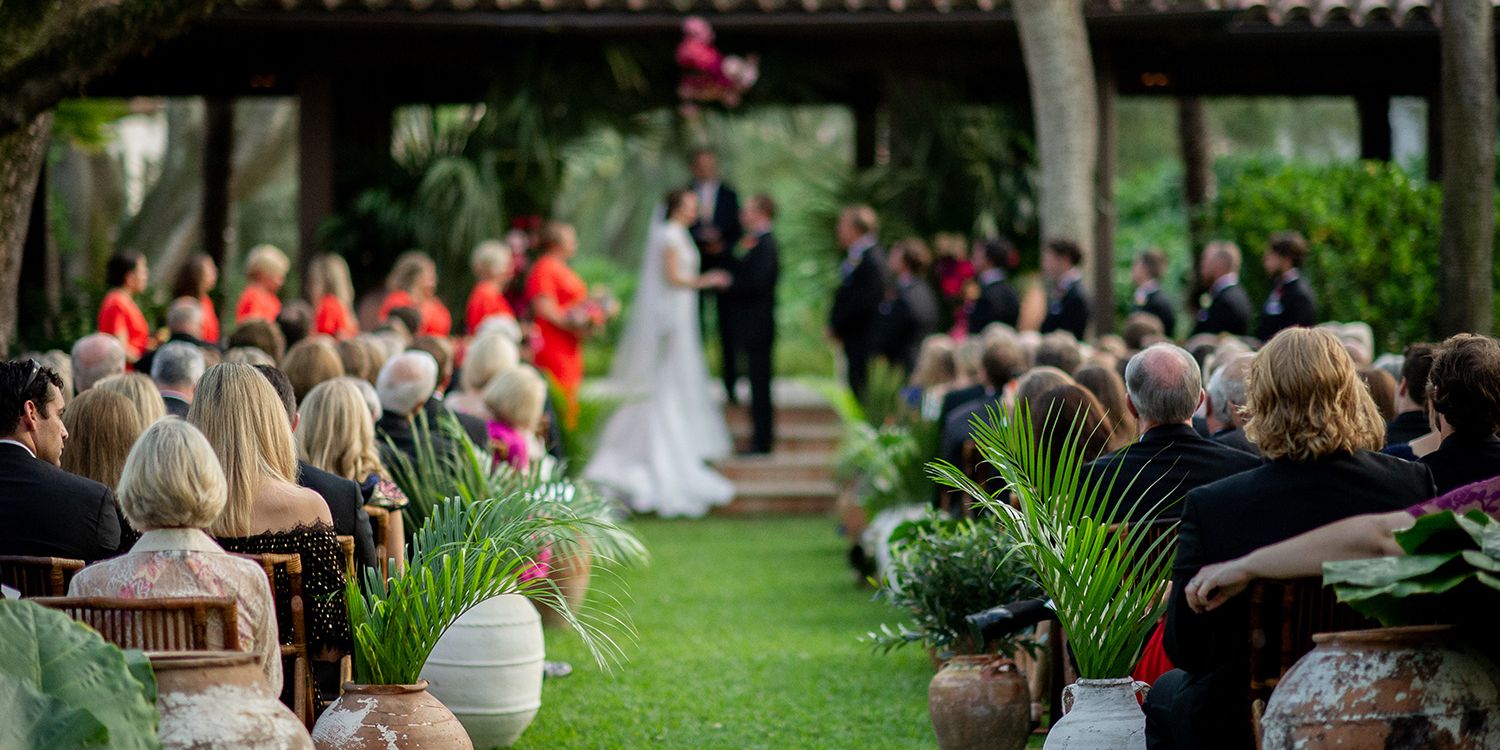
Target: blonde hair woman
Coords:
[(265, 269), (331, 293), (101, 425), (413, 283), (171, 489), (142, 393), (239, 412), (492, 266), (310, 362), (488, 357), (517, 399), (935, 374), (336, 433)]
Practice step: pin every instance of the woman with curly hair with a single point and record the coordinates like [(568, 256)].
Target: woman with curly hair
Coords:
[(1315, 422)]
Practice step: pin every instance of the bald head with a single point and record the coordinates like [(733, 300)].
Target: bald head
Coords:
[(96, 357), (1164, 385), (407, 381)]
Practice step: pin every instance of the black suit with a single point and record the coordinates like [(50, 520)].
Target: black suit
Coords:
[(1229, 312), (1068, 310), (47, 512), (905, 320), (956, 398), (726, 231), (1155, 302), (477, 429), (176, 406), (856, 304), (1203, 702), (1463, 459), (1234, 437), (1151, 476), (1406, 427), (748, 306), (997, 303), (347, 504), (1291, 303), (143, 365), (956, 425), (401, 433)]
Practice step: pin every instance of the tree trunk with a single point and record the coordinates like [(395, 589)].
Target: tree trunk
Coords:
[(1104, 225), (1197, 163), (1466, 276), (21, 154), (1060, 71)]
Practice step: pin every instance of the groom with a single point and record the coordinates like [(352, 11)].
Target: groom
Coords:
[(748, 307)]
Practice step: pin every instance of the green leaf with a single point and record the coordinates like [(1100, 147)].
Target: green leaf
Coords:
[(1379, 571), (34, 719)]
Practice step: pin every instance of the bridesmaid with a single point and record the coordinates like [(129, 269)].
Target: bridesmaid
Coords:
[(195, 280), (332, 294), (266, 270), (559, 303), (119, 316), (413, 283), (492, 269)]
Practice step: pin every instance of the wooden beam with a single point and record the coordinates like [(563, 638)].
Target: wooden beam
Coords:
[(1374, 126), (218, 153), (315, 160), (1103, 259)]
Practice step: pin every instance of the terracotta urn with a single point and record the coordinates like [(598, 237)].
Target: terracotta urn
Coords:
[(1100, 715), (389, 717), (979, 702), (1391, 687), (214, 699), (571, 571)]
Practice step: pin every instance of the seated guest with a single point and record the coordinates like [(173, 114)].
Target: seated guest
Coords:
[(1291, 301), (45, 511), (1411, 422), (195, 279), (1059, 350), (1149, 478), (969, 385), (1228, 307), (1109, 388), (1316, 424), (1464, 389), (96, 357), (1000, 364), (259, 334), (1141, 330), (442, 352), (175, 370), (935, 374), (186, 323), (141, 393), (248, 355), (1067, 305), (265, 269), (1226, 394), (61, 365), (516, 399), (492, 268), (404, 385), (489, 356), (119, 316), (336, 433), (295, 322), (238, 410), (1382, 390), (345, 503), (329, 287), (413, 283), (997, 301), (309, 362), (1146, 272), (101, 426), (172, 489), (1066, 410), (910, 311), (355, 356)]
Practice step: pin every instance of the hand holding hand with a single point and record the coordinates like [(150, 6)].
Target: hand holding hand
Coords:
[(715, 279), (1216, 584)]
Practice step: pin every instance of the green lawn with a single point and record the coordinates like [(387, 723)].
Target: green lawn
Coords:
[(747, 639)]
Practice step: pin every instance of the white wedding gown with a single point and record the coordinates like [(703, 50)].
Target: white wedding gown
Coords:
[(654, 448)]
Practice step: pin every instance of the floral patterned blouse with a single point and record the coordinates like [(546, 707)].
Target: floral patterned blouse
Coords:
[(1482, 495), (186, 562)]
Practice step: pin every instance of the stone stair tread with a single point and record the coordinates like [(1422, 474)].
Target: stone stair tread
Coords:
[(797, 430), (797, 459), (786, 488)]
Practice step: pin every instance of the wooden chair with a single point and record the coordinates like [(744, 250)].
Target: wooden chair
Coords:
[(346, 543), (380, 525), (168, 624), (38, 576), (285, 574)]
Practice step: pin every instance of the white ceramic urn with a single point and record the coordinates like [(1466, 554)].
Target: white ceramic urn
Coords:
[(487, 669), (1100, 715)]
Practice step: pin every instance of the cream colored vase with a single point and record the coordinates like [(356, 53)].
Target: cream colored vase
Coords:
[(1100, 715), (487, 669)]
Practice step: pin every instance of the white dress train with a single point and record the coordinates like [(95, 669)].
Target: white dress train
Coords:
[(654, 448)]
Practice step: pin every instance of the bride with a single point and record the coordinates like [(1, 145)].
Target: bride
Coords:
[(654, 448)]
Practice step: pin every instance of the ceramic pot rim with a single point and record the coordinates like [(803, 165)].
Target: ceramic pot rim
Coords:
[(417, 687), (1407, 634), (1106, 683), (199, 659)]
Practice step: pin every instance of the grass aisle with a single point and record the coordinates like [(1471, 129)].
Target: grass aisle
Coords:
[(748, 634)]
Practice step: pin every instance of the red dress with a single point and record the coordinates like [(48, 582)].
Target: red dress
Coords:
[(210, 320), (487, 299), (333, 319), (256, 302), (561, 353), (120, 317), (436, 321)]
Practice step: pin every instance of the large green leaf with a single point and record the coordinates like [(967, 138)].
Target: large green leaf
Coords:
[(34, 719), (1382, 570), (81, 682), (1447, 575)]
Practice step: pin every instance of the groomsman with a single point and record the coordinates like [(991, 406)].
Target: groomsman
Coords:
[(910, 311), (1067, 306), (862, 287), (717, 232), (1291, 302), (749, 305), (997, 302), (1146, 273), (1228, 306)]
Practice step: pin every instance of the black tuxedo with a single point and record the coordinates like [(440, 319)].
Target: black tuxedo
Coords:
[(856, 304), (1228, 312), (143, 365), (748, 306), (477, 429), (905, 320), (1151, 476), (346, 502), (956, 398), (1155, 302), (401, 433), (1234, 437), (1463, 459), (1068, 310), (725, 223), (1406, 427), (997, 303), (1203, 702), (47, 512), (1291, 303), (176, 406)]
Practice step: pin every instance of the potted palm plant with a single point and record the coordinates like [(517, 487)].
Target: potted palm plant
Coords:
[(1107, 585), (942, 570)]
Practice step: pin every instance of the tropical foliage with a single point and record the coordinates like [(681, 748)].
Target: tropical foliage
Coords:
[(1449, 574), (944, 570), (885, 464), (1107, 584), (61, 685)]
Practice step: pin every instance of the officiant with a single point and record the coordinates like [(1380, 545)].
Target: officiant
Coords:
[(717, 232), (748, 308)]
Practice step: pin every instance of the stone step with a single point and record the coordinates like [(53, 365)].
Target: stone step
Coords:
[(781, 497), (739, 415), (797, 439), (809, 465)]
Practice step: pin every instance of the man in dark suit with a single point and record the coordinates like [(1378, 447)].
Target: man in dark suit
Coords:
[(1067, 305), (861, 289), (1228, 306), (342, 496), (1226, 394), (1291, 302), (175, 370), (1001, 363), (909, 313), (1147, 479), (1146, 272), (748, 304), (437, 413), (404, 385), (1411, 422), (997, 301), (717, 233), (45, 511), (1464, 386)]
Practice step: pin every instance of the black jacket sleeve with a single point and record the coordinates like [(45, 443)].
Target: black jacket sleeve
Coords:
[(754, 275), (107, 526), (1189, 637)]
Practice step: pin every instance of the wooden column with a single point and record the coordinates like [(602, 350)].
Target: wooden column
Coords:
[(315, 160), (1466, 279), (866, 131), (1104, 190), (218, 153), (1374, 126), (1197, 161)]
